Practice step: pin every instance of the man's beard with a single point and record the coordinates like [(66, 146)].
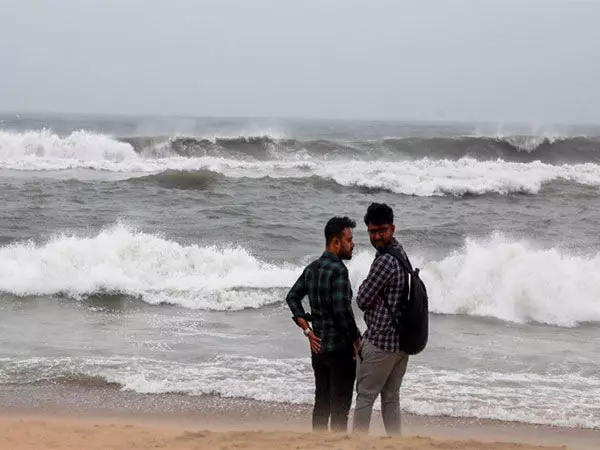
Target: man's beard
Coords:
[(347, 255)]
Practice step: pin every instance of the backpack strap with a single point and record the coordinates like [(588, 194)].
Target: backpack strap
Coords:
[(403, 260), (405, 264)]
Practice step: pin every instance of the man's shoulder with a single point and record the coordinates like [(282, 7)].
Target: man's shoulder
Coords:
[(320, 263), (334, 266), (385, 258), (387, 261)]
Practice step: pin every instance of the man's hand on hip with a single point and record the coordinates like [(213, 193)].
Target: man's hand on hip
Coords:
[(315, 342)]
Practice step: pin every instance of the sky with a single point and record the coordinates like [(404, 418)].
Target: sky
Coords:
[(534, 61)]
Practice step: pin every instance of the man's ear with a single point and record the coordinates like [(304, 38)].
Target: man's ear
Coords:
[(393, 228)]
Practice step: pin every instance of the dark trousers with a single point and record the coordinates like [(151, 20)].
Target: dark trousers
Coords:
[(335, 373)]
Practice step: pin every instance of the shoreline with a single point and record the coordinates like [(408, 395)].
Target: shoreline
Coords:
[(93, 405)]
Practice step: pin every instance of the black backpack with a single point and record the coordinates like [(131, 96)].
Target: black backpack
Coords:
[(412, 324)]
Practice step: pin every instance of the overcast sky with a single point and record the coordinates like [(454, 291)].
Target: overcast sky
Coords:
[(536, 61)]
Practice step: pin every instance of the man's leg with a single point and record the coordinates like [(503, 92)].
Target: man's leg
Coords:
[(343, 374), (390, 396), (322, 406), (374, 367)]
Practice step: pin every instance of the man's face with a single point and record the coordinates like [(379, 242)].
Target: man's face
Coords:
[(346, 244), (381, 235)]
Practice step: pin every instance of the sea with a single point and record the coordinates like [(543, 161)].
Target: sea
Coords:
[(154, 254)]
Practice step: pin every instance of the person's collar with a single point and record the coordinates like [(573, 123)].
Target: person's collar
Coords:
[(330, 255), (394, 243)]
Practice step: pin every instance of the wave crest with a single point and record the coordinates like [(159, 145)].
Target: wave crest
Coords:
[(255, 147), (80, 145), (91, 146), (508, 280), (122, 260), (514, 281), (422, 178)]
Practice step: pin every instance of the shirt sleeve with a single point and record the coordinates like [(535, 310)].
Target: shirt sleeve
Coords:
[(342, 304), (380, 273), (294, 298)]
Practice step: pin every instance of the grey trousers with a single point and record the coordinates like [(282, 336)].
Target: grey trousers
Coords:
[(378, 372)]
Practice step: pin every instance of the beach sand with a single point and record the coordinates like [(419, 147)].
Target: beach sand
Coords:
[(65, 417), (41, 434)]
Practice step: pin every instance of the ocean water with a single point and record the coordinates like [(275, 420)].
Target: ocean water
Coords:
[(155, 254)]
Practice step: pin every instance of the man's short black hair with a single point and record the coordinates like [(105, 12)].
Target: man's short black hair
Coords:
[(379, 214), (335, 227)]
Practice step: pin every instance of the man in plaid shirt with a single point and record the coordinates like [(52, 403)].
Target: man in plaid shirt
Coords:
[(334, 338), (382, 364)]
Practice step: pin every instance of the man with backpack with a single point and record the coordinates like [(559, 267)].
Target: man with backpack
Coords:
[(393, 332), (334, 337)]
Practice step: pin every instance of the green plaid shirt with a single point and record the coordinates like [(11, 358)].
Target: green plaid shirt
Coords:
[(327, 285)]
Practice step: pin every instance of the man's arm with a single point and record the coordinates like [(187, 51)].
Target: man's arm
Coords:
[(379, 274), (341, 305), (294, 301), (294, 298)]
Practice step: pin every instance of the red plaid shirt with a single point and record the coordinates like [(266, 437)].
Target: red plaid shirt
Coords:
[(386, 278)]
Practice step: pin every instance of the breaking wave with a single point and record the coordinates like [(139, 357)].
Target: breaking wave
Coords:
[(508, 280), (88, 146), (426, 167)]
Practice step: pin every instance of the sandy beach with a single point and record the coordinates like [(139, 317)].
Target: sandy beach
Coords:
[(73, 417), (48, 433)]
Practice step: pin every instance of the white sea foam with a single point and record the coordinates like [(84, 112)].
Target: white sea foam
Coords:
[(517, 282), (423, 177), (427, 177), (497, 277), (45, 151), (522, 396), (143, 265), (35, 147)]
